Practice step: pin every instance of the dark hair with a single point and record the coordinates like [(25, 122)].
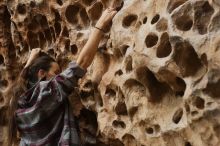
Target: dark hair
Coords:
[(24, 81), (43, 62)]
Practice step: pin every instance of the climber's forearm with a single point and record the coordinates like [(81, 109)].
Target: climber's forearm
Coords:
[(33, 55), (88, 52), (29, 62)]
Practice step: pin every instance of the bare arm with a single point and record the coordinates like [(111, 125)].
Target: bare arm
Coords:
[(88, 52), (33, 55)]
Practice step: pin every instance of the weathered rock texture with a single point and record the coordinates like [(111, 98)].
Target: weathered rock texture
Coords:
[(155, 79)]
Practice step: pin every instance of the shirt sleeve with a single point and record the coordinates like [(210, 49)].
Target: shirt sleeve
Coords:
[(68, 79)]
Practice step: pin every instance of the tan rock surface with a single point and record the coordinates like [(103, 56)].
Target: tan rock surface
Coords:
[(155, 80)]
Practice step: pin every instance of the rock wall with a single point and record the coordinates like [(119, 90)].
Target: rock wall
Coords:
[(155, 79)]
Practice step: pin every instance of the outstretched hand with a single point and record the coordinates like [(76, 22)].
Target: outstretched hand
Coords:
[(106, 17), (33, 55)]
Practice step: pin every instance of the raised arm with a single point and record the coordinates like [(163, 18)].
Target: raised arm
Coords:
[(88, 52), (33, 55)]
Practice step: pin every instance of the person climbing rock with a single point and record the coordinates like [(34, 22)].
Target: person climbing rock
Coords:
[(39, 110)]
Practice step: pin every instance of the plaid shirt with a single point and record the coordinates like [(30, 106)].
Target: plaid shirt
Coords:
[(44, 116)]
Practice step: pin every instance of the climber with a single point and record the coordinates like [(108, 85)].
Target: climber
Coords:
[(39, 109)]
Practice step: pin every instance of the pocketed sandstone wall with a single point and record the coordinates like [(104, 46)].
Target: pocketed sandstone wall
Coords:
[(155, 79)]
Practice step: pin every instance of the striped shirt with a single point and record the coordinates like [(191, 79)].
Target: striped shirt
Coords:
[(44, 115)]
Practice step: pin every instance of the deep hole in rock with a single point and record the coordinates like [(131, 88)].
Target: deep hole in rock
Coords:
[(6, 18), (204, 59), (71, 13), (184, 23), (149, 130), (213, 86), (42, 39), (110, 92), (87, 2), (11, 53), (99, 100), (119, 72), (188, 144), (85, 95), (181, 86), (67, 44), (34, 25), (3, 113), (155, 19), (147, 78), (60, 2), (88, 84), (48, 35), (167, 76), (162, 25), (21, 8), (186, 58), (145, 20), (84, 17), (90, 93), (199, 102), (65, 32), (129, 140), (177, 116), (121, 108), (33, 39), (124, 49), (51, 52), (118, 124), (74, 49), (118, 53), (32, 4), (1, 59), (79, 35), (42, 20), (202, 15), (132, 111), (52, 31), (164, 49), (179, 93), (119, 5), (96, 11), (3, 83), (213, 89), (151, 40), (173, 4), (128, 64), (129, 20), (194, 113), (57, 16), (25, 47), (187, 107), (209, 103), (57, 28)]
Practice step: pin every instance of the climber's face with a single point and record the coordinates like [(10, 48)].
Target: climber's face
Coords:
[(53, 71)]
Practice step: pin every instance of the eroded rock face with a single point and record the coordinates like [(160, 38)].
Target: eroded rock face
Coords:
[(155, 79)]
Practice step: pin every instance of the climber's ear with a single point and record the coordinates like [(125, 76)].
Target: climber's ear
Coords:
[(41, 73)]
